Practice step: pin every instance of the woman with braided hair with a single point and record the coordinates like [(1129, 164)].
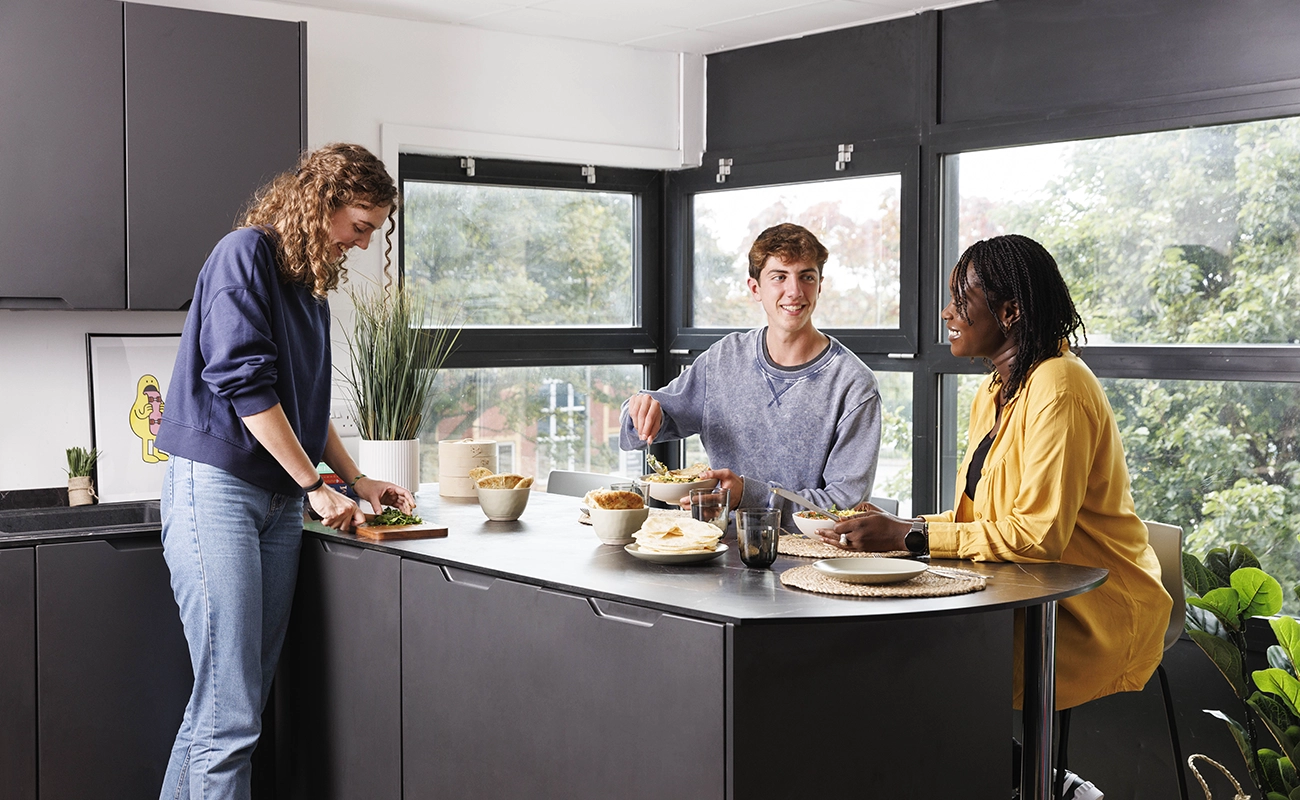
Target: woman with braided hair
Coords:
[(246, 422), (1044, 477)]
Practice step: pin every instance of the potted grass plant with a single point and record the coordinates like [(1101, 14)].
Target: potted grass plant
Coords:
[(81, 463), (397, 344)]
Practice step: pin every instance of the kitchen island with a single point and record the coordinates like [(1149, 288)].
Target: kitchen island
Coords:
[(526, 659)]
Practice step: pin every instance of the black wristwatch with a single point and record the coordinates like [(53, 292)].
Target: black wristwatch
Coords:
[(918, 539)]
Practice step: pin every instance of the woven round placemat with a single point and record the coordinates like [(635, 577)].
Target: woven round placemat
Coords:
[(790, 545), (927, 584)]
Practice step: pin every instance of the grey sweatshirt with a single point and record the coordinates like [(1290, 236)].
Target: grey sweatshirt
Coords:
[(814, 430)]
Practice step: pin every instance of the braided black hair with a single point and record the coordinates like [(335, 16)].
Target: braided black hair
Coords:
[(1015, 267)]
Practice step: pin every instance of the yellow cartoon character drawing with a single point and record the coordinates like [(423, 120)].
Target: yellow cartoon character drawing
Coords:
[(146, 415)]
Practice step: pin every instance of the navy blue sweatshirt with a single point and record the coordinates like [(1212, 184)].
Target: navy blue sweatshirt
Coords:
[(250, 341)]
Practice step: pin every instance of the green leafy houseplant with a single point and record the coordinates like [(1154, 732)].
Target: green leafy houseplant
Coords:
[(1230, 589), (81, 462), (397, 349)]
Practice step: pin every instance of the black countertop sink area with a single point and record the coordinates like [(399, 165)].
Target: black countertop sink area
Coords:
[(42, 523)]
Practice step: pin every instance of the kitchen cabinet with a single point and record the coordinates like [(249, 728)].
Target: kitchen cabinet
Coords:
[(132, 135), (513, 690), (214, 109), (18, 673), (62, 175), (113, 670), (341, 670)]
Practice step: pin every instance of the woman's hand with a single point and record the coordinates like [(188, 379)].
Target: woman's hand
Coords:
[(872, 531), (646, 416), (384, 493), (336, 510)]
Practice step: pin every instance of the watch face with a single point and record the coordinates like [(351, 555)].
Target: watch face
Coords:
[(916, 542)]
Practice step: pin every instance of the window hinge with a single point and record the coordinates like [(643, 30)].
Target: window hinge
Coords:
[(589, 172), (907, 356), (724, 169), (644, 351), (844, 156), (679, 352), (467, 164)]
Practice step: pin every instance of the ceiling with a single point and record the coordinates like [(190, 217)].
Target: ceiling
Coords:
[(689, 26)]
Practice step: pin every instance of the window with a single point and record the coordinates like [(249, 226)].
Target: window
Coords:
[(552, 277), (857, 219)]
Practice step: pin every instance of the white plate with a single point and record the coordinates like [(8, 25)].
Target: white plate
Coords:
[(869, 570), (675, 558)]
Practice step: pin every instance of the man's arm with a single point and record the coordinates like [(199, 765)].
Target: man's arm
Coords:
[(680, 412)]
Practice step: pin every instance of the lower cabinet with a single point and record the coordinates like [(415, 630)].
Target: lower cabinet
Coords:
[(341, 673), (112, 665), (510, 690), (18, 673)]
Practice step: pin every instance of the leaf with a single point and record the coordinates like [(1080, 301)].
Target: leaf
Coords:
[(1282, 684), (1295, 794), (1238, 733), (1216, 561), (1278, 659), (1279, 719), (1199, 579), (1289, 779), (1223, 603), (1240, 557), (1270, 767), (1198, 619), (1259, 594), (1287, 631), (1226, 657)]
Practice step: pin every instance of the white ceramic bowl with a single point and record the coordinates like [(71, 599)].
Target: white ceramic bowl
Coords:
[(807, 525), (672, 493), (616, 525), (503, 505)]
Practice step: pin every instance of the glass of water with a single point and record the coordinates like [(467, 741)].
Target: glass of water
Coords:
[(757, 532), (711, 505)]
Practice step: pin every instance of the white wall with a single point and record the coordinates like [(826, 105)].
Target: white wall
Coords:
[(435, 84)]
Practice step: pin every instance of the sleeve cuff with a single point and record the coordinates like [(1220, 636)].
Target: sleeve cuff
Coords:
[(254, 402)]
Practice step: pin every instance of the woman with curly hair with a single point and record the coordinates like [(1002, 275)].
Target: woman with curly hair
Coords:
[(1044, 477), (247, 421)]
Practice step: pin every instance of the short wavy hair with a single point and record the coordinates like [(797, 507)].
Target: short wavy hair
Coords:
[(296, 207), (791, 244)]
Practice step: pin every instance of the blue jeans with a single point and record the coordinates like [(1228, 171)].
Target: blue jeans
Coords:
[(232, 549)]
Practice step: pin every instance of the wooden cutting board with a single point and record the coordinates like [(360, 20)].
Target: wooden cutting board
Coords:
[(425, 530)]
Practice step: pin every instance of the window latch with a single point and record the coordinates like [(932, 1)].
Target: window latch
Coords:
[(724, 169), (467, 164), (589, 172), (844, 156)]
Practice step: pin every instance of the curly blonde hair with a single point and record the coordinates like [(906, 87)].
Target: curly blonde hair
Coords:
[(297, 207)]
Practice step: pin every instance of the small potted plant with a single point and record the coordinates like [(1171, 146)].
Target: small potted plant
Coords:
[(397, 348), (81, 463)]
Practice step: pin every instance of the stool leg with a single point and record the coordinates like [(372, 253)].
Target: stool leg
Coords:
[(1062, 744), (1173, 731)]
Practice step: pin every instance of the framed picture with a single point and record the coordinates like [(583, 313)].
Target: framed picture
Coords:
[(129, 375)]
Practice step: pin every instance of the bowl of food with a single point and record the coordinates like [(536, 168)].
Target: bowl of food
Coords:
[(670, 486), (502, 497), (809, 522), (615, 515)]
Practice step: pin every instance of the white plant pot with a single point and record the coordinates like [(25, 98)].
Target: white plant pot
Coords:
[(395, 461)]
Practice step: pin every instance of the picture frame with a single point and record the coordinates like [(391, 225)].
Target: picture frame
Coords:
[(128, 376)]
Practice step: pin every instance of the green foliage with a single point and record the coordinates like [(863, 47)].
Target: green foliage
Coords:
[(81, 462), (395, 361), (1233, 589)]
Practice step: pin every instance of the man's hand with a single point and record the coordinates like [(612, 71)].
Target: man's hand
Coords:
[(646, 416), (383, 493), (336, 510), (733, 483)]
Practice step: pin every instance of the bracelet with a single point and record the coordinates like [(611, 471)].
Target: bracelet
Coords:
[(353, 483), (319, 483)]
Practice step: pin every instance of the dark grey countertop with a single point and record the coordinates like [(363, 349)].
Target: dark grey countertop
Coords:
[(548, 547), (28, 527)]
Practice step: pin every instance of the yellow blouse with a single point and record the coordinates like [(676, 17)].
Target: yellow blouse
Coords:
[(1055, 488)]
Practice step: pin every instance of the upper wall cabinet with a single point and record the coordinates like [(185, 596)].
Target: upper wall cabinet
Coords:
[(857, 83), (130, 138), (1027, 60), (213, 111), (62, 217)]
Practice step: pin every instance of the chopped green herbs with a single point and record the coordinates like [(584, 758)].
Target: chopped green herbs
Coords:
[(392, 516)]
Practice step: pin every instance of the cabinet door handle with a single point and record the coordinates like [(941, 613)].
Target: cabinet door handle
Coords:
[(474, 580), (341, 550), (128, 543), (625, 612)]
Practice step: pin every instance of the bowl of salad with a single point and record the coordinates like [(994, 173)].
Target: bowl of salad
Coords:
[(671, 485)]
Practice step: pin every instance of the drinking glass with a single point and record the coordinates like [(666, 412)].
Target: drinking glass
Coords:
[(711, 505), (757, 532)]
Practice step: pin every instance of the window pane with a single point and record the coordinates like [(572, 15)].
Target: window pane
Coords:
[(521, 256), (855, 218), (1185, 236), (1221, 459), (543, 418)]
